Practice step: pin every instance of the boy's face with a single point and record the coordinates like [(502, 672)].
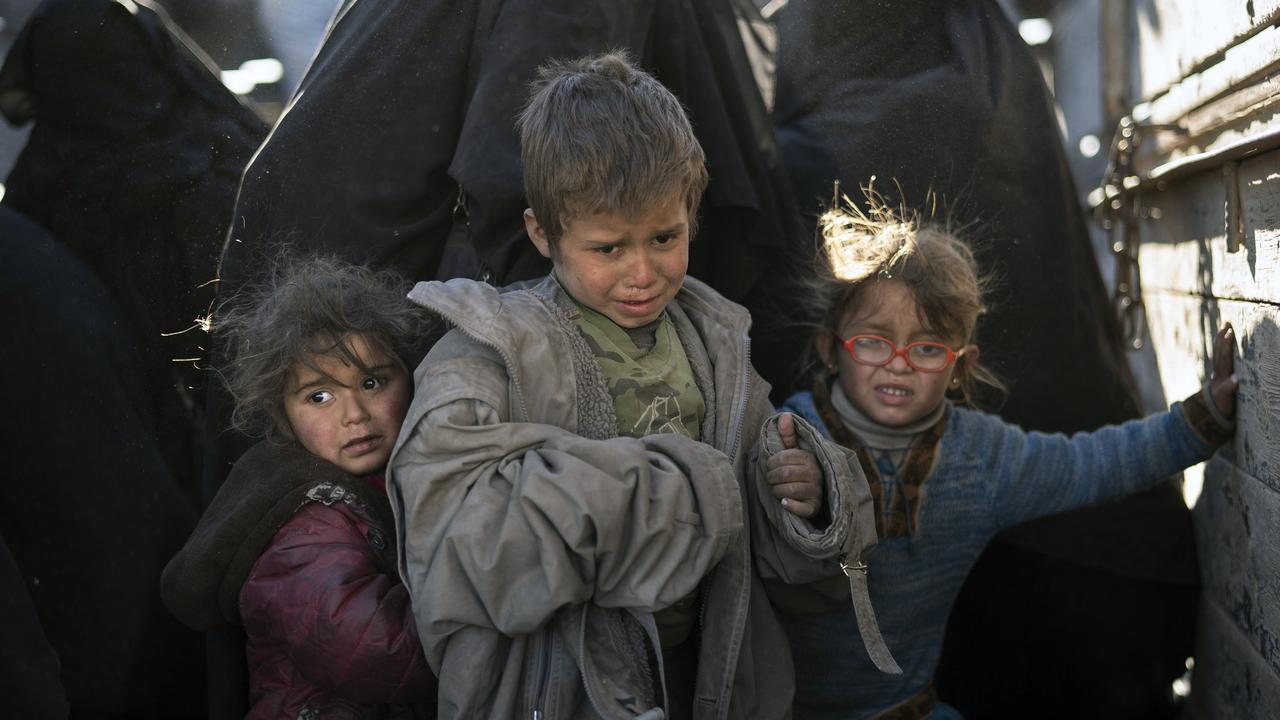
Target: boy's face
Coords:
[(894, 394), (348, 416), (626, 269)]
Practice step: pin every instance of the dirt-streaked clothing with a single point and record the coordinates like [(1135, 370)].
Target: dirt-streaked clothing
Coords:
[(537, 541)]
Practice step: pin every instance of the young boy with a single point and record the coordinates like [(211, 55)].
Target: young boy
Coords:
[(573, 487)]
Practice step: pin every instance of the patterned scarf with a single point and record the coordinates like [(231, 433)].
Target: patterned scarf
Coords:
[(897, 481)]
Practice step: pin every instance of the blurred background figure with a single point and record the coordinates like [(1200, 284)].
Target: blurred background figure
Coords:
[(92, 512), (114, 215), (293, 30), (132, 162), (13, 15), (1086, 614), (30, 674)]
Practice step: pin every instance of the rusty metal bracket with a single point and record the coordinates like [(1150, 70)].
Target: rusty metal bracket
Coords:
[(1233, 211)]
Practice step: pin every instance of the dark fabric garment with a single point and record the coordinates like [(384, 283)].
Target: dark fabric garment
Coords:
[(133, 163), (302, 555), (29, 669), (680, 674), (91, 511), (201, 584), (945, 97), (400, 150), (1075, 641)]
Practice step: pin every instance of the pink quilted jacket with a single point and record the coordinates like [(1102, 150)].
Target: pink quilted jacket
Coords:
[(330, 631)]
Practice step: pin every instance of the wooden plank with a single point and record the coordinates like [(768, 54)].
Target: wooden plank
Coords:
[(1182, 327), (1230, 681), (1184, 243), (1238, 66), (1229, 103), (1175, 38), (1237, 522)]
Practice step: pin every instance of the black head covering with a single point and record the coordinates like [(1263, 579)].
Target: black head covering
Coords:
[(133, 163)]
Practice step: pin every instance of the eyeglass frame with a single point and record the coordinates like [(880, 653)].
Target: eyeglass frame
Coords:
[(952, 354)]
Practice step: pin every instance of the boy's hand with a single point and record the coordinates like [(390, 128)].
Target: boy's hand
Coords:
[(1223, 384), (794, 474)]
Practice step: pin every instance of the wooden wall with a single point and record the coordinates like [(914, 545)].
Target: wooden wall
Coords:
[(1208, 71), (1193, 284)]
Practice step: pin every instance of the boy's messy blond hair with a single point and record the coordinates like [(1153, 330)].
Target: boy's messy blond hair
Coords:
[(601, 135), (305, 307), (862, 245)]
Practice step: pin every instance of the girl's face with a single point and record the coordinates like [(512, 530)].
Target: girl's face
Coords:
[(348, 416), (894, 394)]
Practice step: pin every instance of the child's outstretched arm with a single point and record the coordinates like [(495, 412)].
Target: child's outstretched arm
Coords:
[(1037, 474)]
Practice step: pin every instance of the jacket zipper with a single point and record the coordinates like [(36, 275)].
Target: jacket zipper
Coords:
[(542, 659), (741, 410)]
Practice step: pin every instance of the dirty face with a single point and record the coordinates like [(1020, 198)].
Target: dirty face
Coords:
[(625, 268), (347, 414), (895, 393)]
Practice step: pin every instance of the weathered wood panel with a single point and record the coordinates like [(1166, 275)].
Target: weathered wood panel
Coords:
[(1181, 330), (1237, 523), (1238, 65), (1230, 680), (1176, 37), (1184, 244), (1227, 104)]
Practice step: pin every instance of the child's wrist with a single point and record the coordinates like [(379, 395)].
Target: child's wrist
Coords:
[(1220, 417), (1206, 419)]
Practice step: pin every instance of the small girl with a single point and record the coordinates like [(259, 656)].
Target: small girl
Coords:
[(900, 304), (298, 545)]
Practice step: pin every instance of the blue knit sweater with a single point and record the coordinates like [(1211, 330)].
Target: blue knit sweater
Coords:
[(988, 475)]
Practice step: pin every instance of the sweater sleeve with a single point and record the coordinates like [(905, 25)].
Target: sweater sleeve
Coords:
[(503, 523), (1041, 474), (319, 591)]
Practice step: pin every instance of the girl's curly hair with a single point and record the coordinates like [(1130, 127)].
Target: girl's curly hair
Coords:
[(304, 308), (862, 245)]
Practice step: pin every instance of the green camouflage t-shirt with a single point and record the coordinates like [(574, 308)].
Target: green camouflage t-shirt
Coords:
[(654, 392)]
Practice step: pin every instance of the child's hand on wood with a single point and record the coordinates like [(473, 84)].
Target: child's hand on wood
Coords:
[(1223, 384), (794, 474)]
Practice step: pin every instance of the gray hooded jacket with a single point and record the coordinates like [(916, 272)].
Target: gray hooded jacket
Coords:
[(537, 542)]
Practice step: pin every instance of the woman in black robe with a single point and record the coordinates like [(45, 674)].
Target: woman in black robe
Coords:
[(132, 163)]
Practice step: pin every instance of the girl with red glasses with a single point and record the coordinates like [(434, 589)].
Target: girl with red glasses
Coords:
[(899, 305)]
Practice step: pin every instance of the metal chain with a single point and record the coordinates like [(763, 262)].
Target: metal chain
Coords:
[(1117, 209)]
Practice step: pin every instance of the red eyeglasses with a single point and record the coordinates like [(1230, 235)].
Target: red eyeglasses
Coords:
[(873, 350)]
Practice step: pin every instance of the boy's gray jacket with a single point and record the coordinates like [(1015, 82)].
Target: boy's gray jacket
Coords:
[(536, 541)]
